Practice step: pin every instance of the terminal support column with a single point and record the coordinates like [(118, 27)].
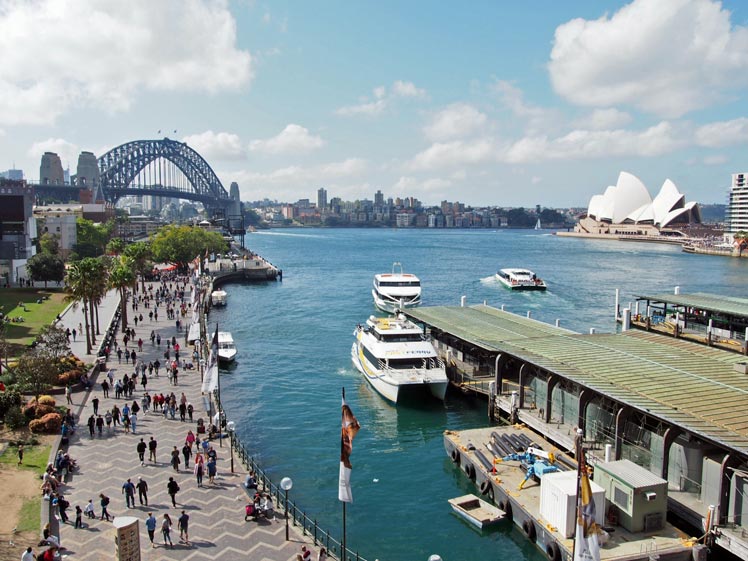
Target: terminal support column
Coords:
[(621, 418), (585, 396), (667, 441), (552, 383), (521, 382)]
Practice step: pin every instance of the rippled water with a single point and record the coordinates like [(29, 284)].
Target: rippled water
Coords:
[(294, 341)]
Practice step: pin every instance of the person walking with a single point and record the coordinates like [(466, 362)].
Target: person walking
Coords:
[(78, 517), (150, 525), (183, 525), (91, 425), (199, 470), (175, 461), (100, 425), (128, 490), (141, 447), (74, 332), (20, 454), (133, 421), (89, 510), (173, 488), (186, 452), (104, 502), (152, 444), (68, 395), (211, 469), (95, 403), (142, 487), (166, 529)]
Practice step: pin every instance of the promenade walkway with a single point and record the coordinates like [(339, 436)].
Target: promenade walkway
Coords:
[(217, 529)]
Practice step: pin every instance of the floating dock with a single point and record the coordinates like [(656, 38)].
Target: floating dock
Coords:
[(473, 452)]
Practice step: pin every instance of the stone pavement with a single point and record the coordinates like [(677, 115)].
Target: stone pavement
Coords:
[(217, 528)]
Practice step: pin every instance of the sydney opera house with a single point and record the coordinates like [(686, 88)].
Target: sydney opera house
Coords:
[(627, 208)]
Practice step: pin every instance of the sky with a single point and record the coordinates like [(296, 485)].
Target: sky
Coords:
[(486, 103)]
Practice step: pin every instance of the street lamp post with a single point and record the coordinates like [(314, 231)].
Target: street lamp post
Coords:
[(230, 426), (286, 484)]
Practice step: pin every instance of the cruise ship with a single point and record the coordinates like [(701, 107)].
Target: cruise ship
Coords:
[(396, 290), (396, 357), (520, 279)]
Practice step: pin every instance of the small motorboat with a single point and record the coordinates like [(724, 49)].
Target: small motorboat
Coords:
[(476, 511), (218, 297)]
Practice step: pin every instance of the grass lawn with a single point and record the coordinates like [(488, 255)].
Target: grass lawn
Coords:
[(29, 519), (20, 335), (34, 457)]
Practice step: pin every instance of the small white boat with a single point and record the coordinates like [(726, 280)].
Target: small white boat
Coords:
[(218, 297), (396, 290), (395, 356), (537, 225), (476, 511), (226, 347), (520, 279)]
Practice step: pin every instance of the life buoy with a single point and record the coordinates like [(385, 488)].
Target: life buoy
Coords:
[(455, 456), (552, 551), (470, 471), (529, 529)]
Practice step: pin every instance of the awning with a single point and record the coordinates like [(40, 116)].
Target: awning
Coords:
[(194, 333)]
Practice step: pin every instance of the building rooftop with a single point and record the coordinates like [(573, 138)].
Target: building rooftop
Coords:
[(702, 301)]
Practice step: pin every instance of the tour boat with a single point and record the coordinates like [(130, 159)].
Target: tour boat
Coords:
[(226, 347), (393, 354), (396, 290), (476, 511), (520, 279), (218, 297)]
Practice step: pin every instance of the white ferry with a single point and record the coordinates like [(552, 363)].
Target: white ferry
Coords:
[(393, 354), (520, 279), (396, 290), (218, 297), (226, 347)]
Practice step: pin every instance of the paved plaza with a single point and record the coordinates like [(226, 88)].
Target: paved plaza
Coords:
[(217, 529)]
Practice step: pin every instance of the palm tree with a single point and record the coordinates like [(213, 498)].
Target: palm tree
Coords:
[(100, 270), (121, 278), (77, 286)]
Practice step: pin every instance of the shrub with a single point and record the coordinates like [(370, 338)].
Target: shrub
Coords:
[(46, 400), (15, 419), (9, 399), (42, 410), (69, 377), (50, 424)]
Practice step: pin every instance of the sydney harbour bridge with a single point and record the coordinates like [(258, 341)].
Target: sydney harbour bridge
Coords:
[(160, 168)]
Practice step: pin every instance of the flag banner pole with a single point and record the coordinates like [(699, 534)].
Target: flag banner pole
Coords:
[(349, 428)]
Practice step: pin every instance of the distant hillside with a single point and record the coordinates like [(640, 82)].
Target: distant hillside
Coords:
[(712, 213)]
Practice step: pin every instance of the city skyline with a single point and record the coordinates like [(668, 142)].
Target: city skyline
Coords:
[(496, 105)]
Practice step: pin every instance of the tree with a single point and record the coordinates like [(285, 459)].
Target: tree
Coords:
[(46, 267), (80, 287), (140, 254), (122, 277), (53, 341), (92, 237), (181, 244), (115, 246), (49, 243), (741, 241), (35, 373)]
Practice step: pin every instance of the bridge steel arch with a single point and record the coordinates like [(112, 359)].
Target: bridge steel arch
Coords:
[(119, 167)]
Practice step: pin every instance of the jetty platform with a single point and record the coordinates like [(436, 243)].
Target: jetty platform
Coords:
[(473, 452), (670, 405)]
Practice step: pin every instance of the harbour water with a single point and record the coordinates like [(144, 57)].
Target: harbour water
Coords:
[(294, 339)]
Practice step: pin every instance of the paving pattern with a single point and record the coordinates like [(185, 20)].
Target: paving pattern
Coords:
[(217, 528)]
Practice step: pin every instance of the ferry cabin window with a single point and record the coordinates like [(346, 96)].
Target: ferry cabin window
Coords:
[(407, 363), (398, 338), (370, 357), (399, 283)]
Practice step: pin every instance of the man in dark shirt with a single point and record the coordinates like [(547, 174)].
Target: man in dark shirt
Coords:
[(128, 490), (142, 491)]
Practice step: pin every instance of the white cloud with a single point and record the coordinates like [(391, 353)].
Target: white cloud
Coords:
[(217, 145), (382, 99), (407, 89), (455, 153), (299, 176), (667, 58), (537, 118), (601, 119), (723, 133), (293, 139), (583, 144), (67, 151), (715, 160), (455, 121), (101, 54)]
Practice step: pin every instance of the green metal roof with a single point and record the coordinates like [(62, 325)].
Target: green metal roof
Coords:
[(709, 302), (684, 383), (482, 326)]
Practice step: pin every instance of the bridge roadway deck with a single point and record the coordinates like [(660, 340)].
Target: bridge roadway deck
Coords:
[(217, 528)]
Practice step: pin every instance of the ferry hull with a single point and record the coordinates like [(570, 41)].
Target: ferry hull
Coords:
[(391, 307), (538, 287)]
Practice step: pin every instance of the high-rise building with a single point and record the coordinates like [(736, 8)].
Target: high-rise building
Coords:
[(12, 174), (50, 170), (736, 217), (321, 198), (378, 198)]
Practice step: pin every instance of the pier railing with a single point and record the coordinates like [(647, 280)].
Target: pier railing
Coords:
[(297, 516)]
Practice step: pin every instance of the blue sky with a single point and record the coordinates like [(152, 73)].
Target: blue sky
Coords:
[(489, 103)]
